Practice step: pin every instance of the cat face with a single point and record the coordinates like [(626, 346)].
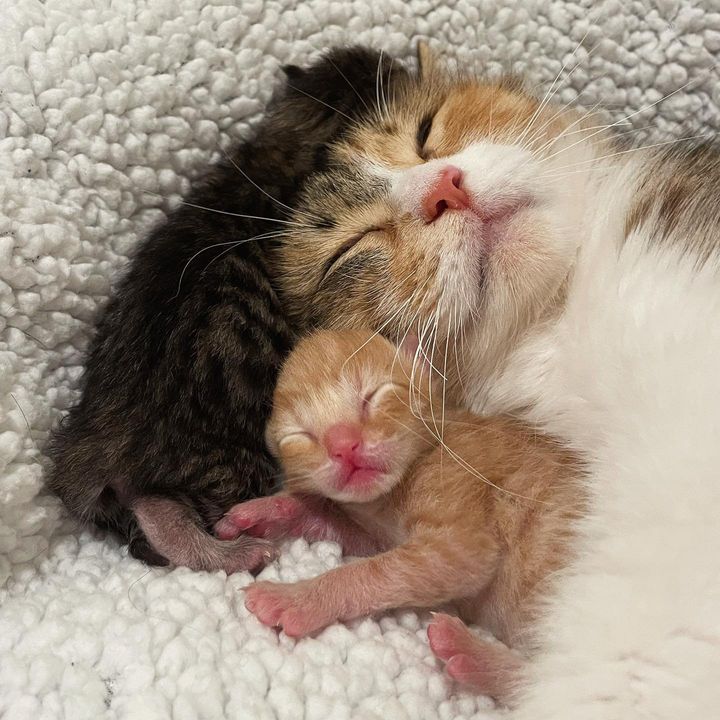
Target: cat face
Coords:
[(341, 424), (447, 211)]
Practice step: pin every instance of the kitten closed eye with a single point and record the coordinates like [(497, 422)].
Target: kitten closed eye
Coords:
[(298, 436), (376, 396)]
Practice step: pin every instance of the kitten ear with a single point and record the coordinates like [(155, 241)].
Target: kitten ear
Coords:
[(408, 347), (292, 72), (414, 356), (427, 60)]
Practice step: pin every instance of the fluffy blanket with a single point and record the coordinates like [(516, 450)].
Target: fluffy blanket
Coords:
[(103, 100)]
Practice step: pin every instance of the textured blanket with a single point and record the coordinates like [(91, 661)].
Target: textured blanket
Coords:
[(108, 109)]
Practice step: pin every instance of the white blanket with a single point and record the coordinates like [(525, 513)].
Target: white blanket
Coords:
[(101, 100)]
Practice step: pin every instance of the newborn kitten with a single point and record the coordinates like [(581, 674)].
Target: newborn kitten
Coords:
[(169, 431), (482, 518)]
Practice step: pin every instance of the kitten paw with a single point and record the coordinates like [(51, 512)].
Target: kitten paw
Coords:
[(293, 607), (268, 517), (450, 636), (489, 668)]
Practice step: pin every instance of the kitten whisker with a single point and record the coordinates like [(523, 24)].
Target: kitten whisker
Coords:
[(378, 80)]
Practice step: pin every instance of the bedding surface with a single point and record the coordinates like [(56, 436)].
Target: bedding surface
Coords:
[(108, 110)]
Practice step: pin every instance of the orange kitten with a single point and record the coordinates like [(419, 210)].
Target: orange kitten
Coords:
[(481, 519)]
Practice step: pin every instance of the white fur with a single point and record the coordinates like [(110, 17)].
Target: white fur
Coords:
[(630, 373)]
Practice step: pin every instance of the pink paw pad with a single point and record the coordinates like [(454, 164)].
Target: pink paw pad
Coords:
[(268, 517), (286, 606), (490, 668), (449, 636)]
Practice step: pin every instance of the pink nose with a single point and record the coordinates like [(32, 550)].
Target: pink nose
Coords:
[(446, 193), (344, 442)]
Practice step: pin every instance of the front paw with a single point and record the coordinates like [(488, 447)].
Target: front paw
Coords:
[(294, 607), (271, 517)]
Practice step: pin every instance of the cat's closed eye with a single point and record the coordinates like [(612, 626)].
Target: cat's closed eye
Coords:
[(344, 248), (423, 134)]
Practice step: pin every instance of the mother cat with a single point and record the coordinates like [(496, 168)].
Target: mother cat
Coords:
[(556, 276)]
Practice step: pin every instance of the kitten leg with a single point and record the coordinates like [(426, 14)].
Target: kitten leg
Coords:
[(274, 517), (424, 572), (285, 515), (173, 531), (489, 668)]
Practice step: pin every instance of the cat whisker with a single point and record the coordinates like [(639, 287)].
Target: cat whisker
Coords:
[(378, 331), (551, 91), (233, 214), (475, 473), (232, 243), (434, 432), (352, 87), (624, 119), (564, 107), (378, 80), (281, 204), (560, 172), (322, 102)]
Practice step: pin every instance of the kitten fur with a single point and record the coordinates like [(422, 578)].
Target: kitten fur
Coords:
[(169, 431), (482, 517), (578, 291)]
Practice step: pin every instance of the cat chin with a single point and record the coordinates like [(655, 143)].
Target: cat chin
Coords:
[(522, 257)]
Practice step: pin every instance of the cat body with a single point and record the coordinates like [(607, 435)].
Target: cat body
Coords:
[(482, 518), (560, 275), (169, 431)]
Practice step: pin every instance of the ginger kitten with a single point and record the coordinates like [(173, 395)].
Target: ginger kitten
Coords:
[(481, 519)]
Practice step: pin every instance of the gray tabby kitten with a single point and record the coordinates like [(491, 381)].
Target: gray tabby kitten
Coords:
[(168, 432)]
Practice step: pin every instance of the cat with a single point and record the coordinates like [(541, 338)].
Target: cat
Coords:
[(169, 430), (482, 516), (565, 278)]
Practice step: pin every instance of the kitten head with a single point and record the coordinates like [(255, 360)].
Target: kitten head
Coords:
[(341, 424), (445, 208)]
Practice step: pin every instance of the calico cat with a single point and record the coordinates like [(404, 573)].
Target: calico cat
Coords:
[(169, 431), (573, 282), (481, 517)]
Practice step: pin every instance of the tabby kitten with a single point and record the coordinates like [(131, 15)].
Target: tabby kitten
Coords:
[(169, 431)]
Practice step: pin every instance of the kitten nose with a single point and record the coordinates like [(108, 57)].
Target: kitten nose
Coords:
[(343, 442), (446, 193)]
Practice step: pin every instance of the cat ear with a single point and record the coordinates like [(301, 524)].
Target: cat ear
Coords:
[(292, 72), (426, 58)]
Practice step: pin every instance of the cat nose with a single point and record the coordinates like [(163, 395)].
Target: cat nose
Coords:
[(446, 193), (343, 441)]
